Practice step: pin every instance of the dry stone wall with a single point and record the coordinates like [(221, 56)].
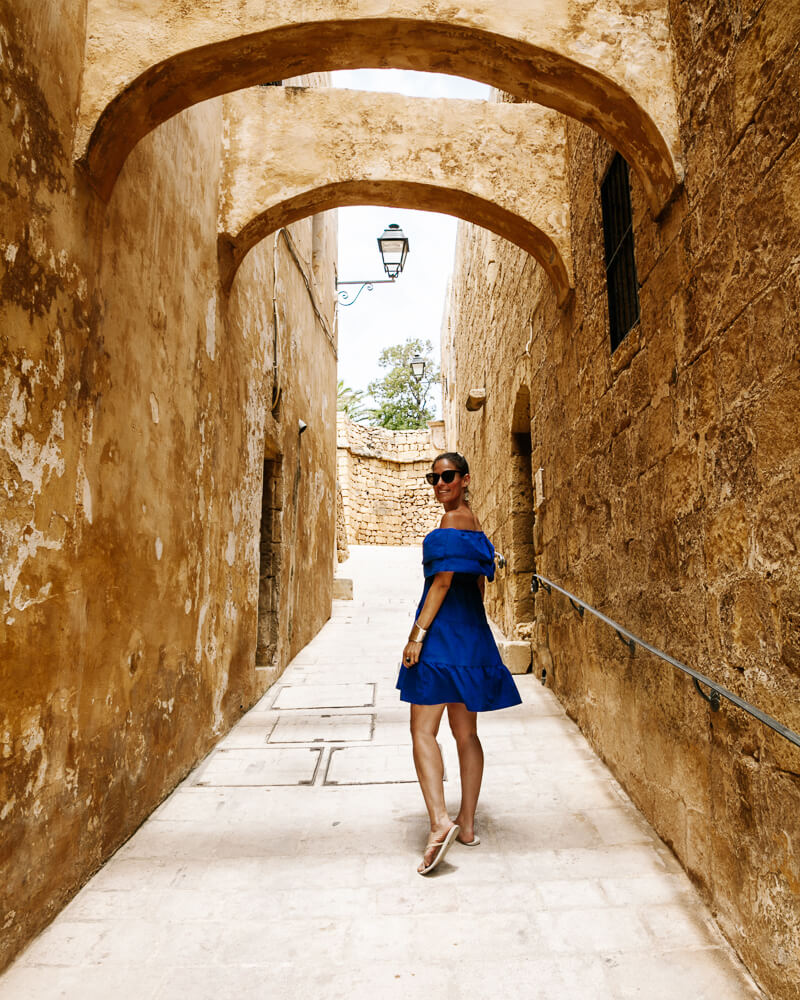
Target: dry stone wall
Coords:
[(136, 421), (668, 494), (385, 498)]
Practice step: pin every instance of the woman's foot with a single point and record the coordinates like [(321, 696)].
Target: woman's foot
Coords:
[(438, 845), (467, 835)]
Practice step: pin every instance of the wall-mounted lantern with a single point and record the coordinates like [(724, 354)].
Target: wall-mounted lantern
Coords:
[(394, 246), (417, 366)]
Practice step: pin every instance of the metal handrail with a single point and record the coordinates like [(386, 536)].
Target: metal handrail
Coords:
[(632, 641)]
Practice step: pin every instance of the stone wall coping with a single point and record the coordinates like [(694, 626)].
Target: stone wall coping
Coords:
[(399, 447)]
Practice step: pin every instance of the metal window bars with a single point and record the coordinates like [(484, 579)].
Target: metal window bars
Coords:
[(716, 691), (621, 281)]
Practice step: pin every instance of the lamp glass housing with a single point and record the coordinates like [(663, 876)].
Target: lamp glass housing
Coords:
[(417, 365), (393, 245)]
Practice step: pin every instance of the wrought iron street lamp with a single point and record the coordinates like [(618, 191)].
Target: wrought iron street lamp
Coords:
[(393, 245), (417, 366)]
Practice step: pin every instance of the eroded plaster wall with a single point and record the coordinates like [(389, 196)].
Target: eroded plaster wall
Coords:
[(668, 496), (135, 418)]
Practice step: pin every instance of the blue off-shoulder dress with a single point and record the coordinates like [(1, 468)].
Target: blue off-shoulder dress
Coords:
[(460, 661)]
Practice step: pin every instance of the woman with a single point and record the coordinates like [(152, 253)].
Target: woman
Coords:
[(451, 660)]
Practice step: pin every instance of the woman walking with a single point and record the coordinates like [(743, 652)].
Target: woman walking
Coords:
[(451, 660)]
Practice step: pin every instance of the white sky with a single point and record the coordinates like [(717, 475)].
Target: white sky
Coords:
[(413, 307)]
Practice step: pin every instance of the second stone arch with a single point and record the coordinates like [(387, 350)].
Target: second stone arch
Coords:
[(293, 152)]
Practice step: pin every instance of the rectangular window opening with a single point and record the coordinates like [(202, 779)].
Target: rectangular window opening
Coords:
[(621, 280), (269, 566)]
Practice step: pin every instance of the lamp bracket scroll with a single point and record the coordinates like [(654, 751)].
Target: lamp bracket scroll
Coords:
[(344, 295)]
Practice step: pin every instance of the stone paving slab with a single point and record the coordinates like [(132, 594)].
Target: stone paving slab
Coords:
[(377, 765), (246, 884), (271, 766), (322, 728), (325, 696)]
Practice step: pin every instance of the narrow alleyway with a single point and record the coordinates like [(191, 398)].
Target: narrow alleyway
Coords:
[(284, 866)]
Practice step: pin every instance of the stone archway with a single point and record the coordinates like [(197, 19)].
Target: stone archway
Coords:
[(294, 152), (603, 64)]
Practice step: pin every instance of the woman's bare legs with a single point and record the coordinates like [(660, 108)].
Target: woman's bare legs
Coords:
[(425, 721), (464, 725)]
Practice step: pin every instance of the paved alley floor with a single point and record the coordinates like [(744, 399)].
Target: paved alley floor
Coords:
[(284, 866)]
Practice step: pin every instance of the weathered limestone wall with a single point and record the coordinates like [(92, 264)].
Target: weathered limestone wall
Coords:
[(135, 418), (385, 497), (285, 267), (668, 495)]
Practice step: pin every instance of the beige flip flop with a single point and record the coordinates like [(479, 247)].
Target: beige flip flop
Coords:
[(443, 847), (471, 843)]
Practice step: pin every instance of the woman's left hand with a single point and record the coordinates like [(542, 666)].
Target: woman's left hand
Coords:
[(411, 654)]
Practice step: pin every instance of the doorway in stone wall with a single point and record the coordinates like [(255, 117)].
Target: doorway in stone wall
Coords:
[(269, 566), (521, 563)]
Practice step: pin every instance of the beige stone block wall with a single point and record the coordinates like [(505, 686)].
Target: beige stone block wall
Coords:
[(386, 500), (135, 420), (668, 493)]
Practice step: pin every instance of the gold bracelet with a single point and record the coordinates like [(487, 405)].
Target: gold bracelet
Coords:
[(418, 633)]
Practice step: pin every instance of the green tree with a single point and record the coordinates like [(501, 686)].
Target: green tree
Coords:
[(404, 403), (351, 402)]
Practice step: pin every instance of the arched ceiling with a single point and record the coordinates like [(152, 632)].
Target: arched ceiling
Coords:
[(607, 63)]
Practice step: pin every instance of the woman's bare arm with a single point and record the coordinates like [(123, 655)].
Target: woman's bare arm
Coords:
[(433, 601)]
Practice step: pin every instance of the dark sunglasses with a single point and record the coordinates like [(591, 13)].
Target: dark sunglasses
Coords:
[(447, 476)]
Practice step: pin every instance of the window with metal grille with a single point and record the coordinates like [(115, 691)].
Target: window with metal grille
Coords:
[(623, 294), (272, 83)]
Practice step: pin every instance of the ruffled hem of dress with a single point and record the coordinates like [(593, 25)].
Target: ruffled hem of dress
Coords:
[(437, 683), (497, 667)]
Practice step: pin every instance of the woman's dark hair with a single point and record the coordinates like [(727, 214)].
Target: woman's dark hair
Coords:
[(455, 459)]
